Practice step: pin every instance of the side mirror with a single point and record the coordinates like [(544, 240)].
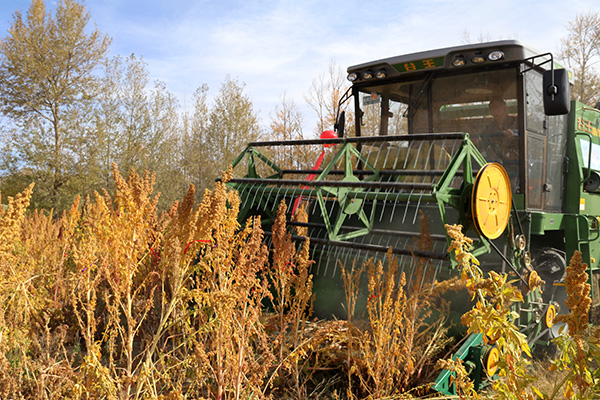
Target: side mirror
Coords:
[(556, 92)]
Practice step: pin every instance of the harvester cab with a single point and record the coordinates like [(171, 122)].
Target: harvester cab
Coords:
[(480, 135)]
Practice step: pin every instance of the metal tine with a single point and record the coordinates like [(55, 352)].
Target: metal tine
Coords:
[(261, 195), (362, 207), (405, 245), (315, 203), (289, 205), (385, 200), (344, 254), (330, 212), (366, 257), (426, 160), (402, 263), (320, 248), (320, 262), (288, 198), (362, 256), (418, 208), (334, 260), (278, 197), (407, 205), (291, 199), (418, 153), (277, 201), (411, 268), (383, 206), (329, 258), (262, 191), (255, 193), (286, 195), (408, 148), (409, 145), (426, 267), (387, 154), (379, 148), (357, 161), (435, 272), (438, 265), (439, 161), (395, 204)]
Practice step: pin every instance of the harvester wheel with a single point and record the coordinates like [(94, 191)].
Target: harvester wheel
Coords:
[(491, 200), (490, 360)]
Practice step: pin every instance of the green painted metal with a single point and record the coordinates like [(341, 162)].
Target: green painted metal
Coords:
[(470, 352)]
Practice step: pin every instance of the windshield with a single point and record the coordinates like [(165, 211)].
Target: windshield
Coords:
[(456, 103), (483, 104)]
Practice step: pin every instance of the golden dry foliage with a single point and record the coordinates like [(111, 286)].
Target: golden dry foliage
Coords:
[(579, 349), (578, 296), (493, 317), (580, 346), (401, 330), (11, 219), (116, 300), (291, 284)]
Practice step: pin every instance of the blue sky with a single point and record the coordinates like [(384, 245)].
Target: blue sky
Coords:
[(281, 46)]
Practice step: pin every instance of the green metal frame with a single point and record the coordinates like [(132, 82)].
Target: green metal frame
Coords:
[(351, 198)]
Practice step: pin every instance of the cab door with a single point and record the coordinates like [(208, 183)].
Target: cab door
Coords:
[(545, 149)]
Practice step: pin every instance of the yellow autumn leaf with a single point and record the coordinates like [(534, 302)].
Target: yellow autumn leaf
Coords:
[(525, 348), (538, 393), (569, 390)]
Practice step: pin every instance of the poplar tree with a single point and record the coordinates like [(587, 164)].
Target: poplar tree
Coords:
[(286, 124), (47, 64), (581, 50), (193, 143), (324, 96), (232, 123)]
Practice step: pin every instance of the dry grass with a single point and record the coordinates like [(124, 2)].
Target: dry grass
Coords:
[(116, 300)]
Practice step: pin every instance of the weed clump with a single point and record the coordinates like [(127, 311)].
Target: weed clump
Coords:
[(116, 300), (575, 368)]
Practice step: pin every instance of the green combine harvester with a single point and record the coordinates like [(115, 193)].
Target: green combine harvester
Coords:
[(481, 135)]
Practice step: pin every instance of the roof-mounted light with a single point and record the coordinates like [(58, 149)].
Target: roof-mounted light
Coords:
[(352, 76), (459, 61), (496, 55), (368, 74), (478, 59), (381, 74)]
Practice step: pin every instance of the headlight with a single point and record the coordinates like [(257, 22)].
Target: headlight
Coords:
[(459, 61), (496, 55), (368, 74), (380, 74)]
